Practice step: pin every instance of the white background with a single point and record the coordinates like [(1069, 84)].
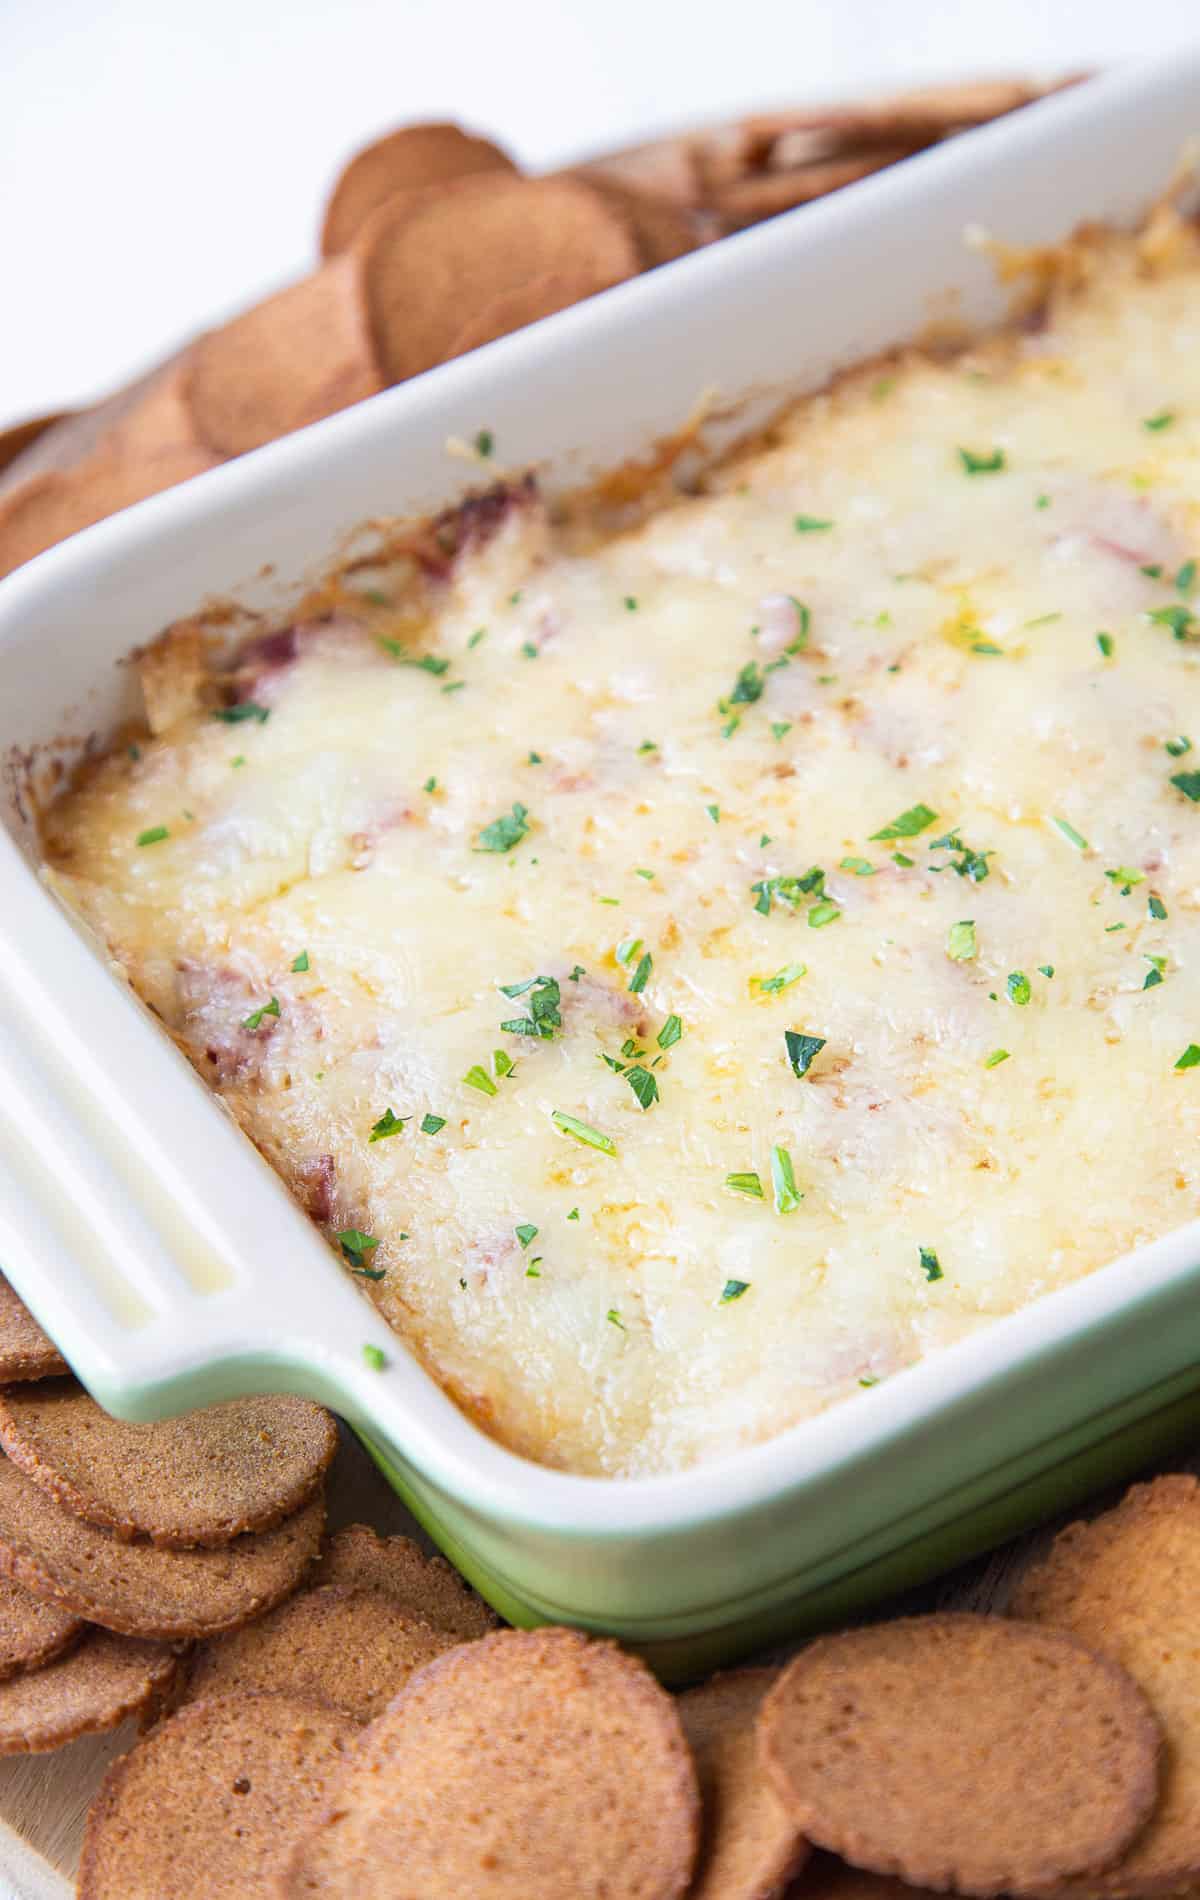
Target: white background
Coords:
[(162, 164)]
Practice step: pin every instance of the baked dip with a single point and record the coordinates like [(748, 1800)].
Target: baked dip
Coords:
[(692, 970)]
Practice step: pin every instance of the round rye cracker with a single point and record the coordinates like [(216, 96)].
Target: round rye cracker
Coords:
[(427, 1588), (528, 1763), (349, 1647), (172, 1595), (25, 1351), (540, 297), (102, 1681), (48, 508), (297, 356), (940, 1749), (202, 1479), (749, 1846), (411, 159), (430, 264), (1125, 1584), (20, 436), (209, 1802), (32, 1632)]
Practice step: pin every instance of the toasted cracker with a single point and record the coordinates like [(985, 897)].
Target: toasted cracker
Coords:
[(907, 1748), (22, 435), (208, 1803), (138, 1589), (749, 1844), (412, 158), (32, 1632), (665, 168), (203, 1478), (292, 359), (48, 508), (352, 1648), (25, 1351), (827, 1878), (529, 1763), (427, 1588), (539, 298), (663, 229), (766, 194), (1127, 1584), (159, 420), (100, 1682), (429, 265)]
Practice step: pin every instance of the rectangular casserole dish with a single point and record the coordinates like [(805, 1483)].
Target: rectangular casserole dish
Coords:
[(218, 1283)]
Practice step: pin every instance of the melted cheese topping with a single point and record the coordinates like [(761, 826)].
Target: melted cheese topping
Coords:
[(703, 782)]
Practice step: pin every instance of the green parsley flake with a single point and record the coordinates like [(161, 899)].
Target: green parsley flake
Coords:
[(930, 1265), (780, 728), (1185, 580), (824, 913), (155, 835), (732, 1290), (747, 1183), (1157, 908), (714, 812), (574, 1214), (1070, 834), (529, 650), (430, 785), (479, 634), (859, 866), (748, 687), (802, 1050), (1018, 986), (525, 1233), (255, 1017), (300, 963), (422, 662), (643, 1084), (974, 464), (1162, 420), (502, 1062), (503, 833), (641, 975), (960, 941), (1181, 620), (354, 1243), (1047, 969), (909, 824), (432, 1124), (485, 442), (240, 760), (968, 863), (647, 745), (376, 1359), (631, 603), (648, 875), (905, 863), (782, 979), (1177, 747), (1126, 877), (1156, 972), (1105, 643), (246, 709), (996, 1058), (810, 524), (670, 1033), (544, 1007), (1190, 1059), (1188, 783), (388, 1124), (614, 1318), (581, 1131), (783, 1182), (477, 1077)]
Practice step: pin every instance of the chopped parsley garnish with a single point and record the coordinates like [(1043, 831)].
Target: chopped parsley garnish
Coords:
[(802, 1050), (631, 603), (1047, 969), (614, 1318), (155, 835), (1018, 986), (240, 760), (1043, 501), (525, 1233), (747, 1183), (246, 709), (503, 1063), (1070, 834), (375, 1358), (783, 1182), (477, 1077), (714, 812), (670, 1033), (503, 833), (388, 1124), (643, 1084), (641, 975), (648, 875), (1162, 420), (1126, 877), (576, 973), (581, 1131), (544, 1007), (627, 949), (1157, 908), (534, 1270), (300, 963), (354, 1244), (1190, 1059), (974, 464), (423, 662), (748, 687), (827, 912), (960, 941), (930, 1265), (1181, 620), (859, 866), (1152, 570), (909, 824), (479, 634), (432, 1124), (782, 979), (430, 785), (1188, 783), (988, 647), (732, 1290), (1105, 643), (647, 745), (996, 1058), (968, 863), (1156, 972), (255, 1017), (905, 863), (780, 728), (810, 524), (485, 442), (1177, 747), (1185, 580)]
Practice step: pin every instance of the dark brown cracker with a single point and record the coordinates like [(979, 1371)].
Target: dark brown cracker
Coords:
[(104, 1679), (168, 1594), (414, 157), (425, 1587), (48, 508), (32, 1632), (1128, 1583), (208, 1803), (749, 1845), (298, 356), (349, 1647), (766, 194), (25, 1351), (200, 1479), (527, 1763), (957, 1752), (429, 264)]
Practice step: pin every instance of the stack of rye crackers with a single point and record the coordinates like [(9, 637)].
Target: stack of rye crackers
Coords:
[(345, 1717), (434, 242)]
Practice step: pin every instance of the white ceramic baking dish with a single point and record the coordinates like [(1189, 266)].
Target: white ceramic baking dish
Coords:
[(169, 1262)]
